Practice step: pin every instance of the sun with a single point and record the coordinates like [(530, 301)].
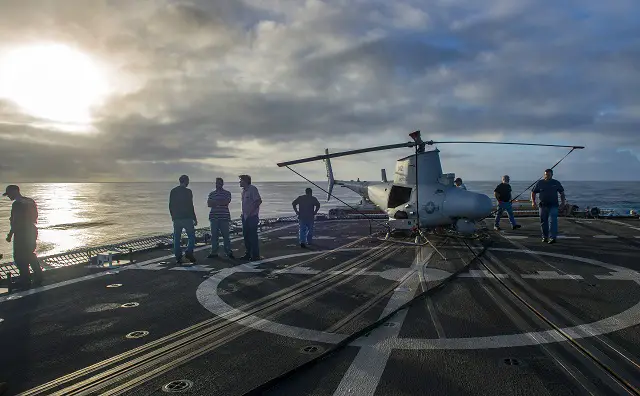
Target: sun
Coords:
[(54, 82)]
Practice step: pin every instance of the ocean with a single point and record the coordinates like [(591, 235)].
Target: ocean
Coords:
[(74, 215)]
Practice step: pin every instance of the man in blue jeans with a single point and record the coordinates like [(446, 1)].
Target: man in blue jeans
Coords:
[(219, 217), (503, 195), (548, 189), (251, 202), (308, 207), (184, 218)]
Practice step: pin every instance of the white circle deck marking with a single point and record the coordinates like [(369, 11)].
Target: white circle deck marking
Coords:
[(207, 295)]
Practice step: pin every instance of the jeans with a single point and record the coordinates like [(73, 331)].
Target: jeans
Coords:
[(250, 234), (178, 226), (502, 206), (24, 256), (305, 231), (549, 214), (222, 227)]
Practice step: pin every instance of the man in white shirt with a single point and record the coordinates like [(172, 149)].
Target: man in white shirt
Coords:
[(251, 202)]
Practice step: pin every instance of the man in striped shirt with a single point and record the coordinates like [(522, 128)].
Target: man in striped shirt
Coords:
[(219, 217)]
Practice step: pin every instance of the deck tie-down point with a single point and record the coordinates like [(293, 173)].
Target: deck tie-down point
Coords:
[(177, 386)]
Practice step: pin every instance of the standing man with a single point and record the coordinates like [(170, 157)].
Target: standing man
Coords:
[(24, 216), (458, 182), (548, 188), (219, 217), (503, 196), (309, 206), (184, 217), (251, 202)]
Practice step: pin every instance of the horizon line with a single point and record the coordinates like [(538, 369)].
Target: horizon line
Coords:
[(290, 181)]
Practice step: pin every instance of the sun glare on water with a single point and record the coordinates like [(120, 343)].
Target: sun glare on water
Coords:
[(53, 82)]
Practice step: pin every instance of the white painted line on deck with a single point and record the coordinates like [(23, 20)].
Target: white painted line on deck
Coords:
[(321, 237), (605, 236), (208, 297), (550, 275), (621, 275), (363, 376), (480, 274), (568, 237), (192, 268), (515, 236), (623, 224)]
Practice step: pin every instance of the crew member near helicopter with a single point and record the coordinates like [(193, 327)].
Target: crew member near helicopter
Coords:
[(458, 182), (548, 189), (307, 208), (503, 195)]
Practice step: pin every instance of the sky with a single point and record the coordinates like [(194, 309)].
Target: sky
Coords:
[(219, 88)]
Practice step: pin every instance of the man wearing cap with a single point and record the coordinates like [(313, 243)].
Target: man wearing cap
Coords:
[(503, 195), (24, 233)]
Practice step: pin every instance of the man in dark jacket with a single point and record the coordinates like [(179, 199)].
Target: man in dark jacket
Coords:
[(503, 195), (184, 217), (548, 189), (308, 206), (24, 233)]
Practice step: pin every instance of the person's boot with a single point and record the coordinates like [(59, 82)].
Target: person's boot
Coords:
[(190, 256)]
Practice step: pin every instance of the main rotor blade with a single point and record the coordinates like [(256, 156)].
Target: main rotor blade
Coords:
[(431, 142), (350, 152)]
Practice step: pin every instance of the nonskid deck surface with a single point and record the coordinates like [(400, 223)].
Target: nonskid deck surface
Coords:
[(227, 326)]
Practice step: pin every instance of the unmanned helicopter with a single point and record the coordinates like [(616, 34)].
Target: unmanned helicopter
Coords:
[(420, 195)]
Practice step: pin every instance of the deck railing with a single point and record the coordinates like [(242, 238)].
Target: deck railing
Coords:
[(87, 255), (125, 250)]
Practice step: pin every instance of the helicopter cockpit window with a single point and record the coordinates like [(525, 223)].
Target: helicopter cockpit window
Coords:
[(399, 195)]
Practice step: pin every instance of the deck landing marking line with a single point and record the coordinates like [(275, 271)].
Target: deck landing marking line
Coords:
[(480, 274), (208, 297), (515, 236), (550, 275), (568, 237), (623, 224), (132, 266), (621, 275), (364, 373), (605, 236), (321, 237)]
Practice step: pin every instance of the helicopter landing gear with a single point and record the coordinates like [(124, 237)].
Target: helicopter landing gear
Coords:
[(421, 236)]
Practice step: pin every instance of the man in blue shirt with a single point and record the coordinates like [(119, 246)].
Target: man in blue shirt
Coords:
[(307, 208), (548, 189)]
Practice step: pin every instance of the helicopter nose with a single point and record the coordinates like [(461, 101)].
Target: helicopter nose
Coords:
[(468, 204)]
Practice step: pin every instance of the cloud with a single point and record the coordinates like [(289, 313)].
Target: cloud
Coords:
[(227, 87)]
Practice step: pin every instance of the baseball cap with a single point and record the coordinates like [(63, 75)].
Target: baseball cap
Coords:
[(9, 188)]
